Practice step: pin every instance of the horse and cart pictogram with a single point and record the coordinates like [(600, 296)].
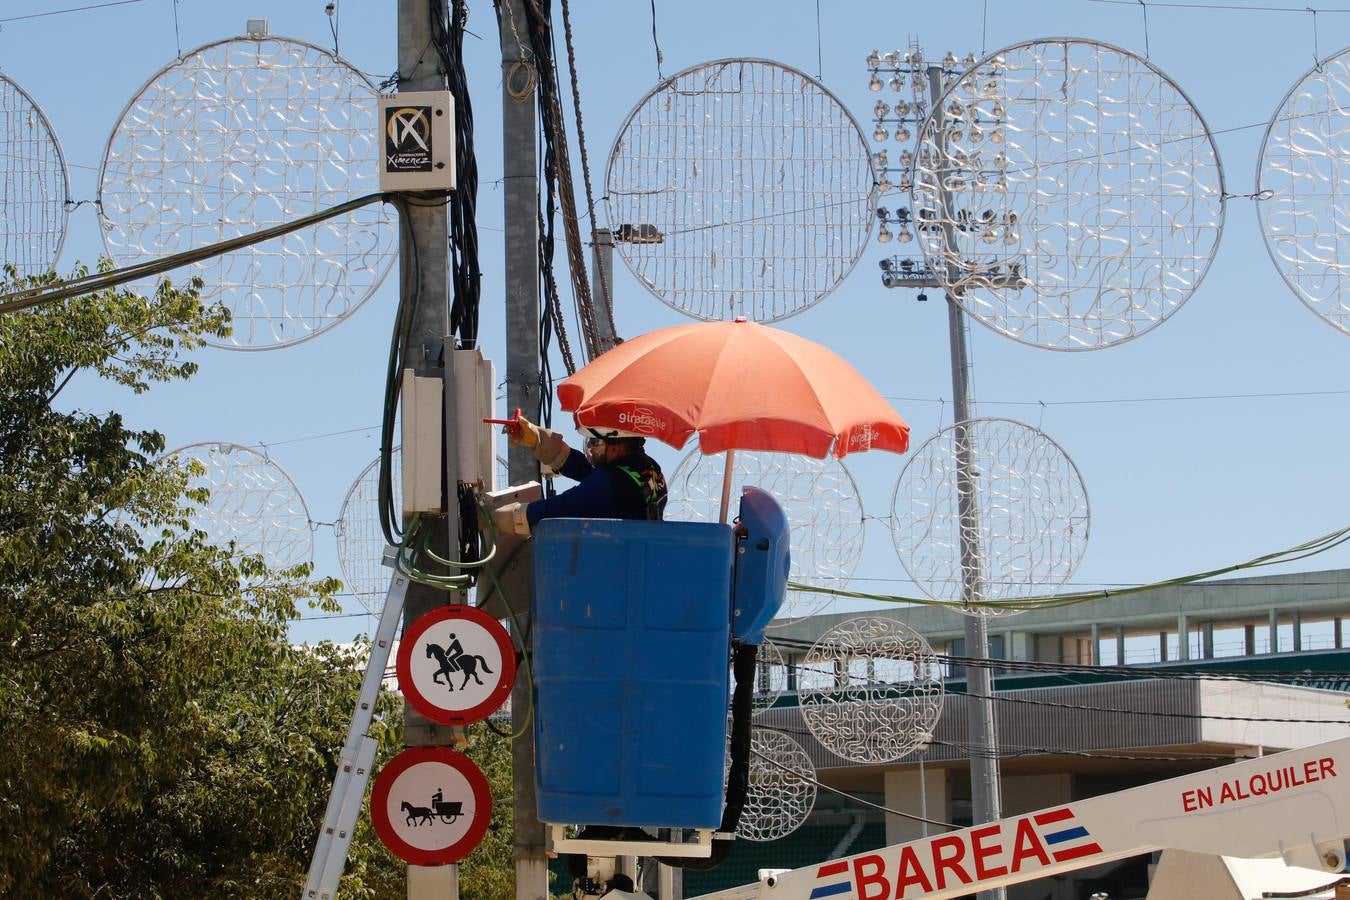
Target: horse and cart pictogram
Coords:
[(445, 811)]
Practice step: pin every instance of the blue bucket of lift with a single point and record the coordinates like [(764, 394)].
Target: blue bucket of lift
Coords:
[(631, 642)]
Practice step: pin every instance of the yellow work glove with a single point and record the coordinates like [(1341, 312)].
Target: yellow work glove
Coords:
[(522, 431), (548, 446)]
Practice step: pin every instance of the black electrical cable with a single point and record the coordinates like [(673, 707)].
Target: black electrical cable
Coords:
[(466, 275), (87, 284), (410, 275)]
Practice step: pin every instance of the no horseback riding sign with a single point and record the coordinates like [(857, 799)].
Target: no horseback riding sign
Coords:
[(455, 665), (430, 806)]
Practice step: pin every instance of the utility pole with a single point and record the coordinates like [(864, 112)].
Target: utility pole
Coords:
[(521, 215), (424, 254), (985, 795), (602, 268)]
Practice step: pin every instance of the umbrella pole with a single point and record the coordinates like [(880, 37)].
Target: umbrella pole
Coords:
[(726, 486)]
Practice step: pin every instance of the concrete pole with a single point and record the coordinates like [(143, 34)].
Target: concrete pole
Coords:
[(602, 268), (985, 791), (602, 276), (425, 255), (521, 215)]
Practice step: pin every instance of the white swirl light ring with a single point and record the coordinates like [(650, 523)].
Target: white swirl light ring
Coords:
[(1068, 194), (253, 503), (771, 677), (1301, 193), (34, 211), (782, 789), (819, 497), (360, 540), (870, 690), (241, 135), (1029, 517), (740, 187)]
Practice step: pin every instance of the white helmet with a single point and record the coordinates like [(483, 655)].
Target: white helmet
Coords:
[(604, 432), (611, 434)]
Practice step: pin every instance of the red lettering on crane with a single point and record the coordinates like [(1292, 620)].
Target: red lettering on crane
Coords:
[(911, 874), (1027, 844), (943, 862), (1328, 767), (865, 881), (981, 852)]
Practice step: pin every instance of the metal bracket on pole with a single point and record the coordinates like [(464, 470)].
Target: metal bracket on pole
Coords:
[(358, 752)]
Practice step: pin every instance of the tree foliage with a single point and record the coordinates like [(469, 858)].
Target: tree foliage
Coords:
[(161, 737)]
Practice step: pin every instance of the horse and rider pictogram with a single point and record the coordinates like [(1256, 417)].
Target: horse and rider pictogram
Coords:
[(456, 665), (453, 659)]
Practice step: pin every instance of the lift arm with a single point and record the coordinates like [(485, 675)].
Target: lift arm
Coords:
[(1294, 804)]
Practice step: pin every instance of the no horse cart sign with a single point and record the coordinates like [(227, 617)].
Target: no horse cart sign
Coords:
[(455, 665), (430, 806)]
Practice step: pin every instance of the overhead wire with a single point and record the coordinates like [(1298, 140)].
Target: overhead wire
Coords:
[(1227, 6), (559, 172), (1110, 401), (66, 288), (1296, 553), (73, 9), (602, 287), (1095, 671), (820, 785)]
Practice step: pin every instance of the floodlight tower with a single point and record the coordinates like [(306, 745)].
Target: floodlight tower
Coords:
[(927, 82), (1068, 244)]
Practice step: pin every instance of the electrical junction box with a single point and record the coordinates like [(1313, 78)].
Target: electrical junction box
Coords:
[(423, 430), (475, 383), (417, 141)]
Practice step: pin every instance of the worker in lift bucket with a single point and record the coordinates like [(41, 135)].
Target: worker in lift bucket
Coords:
[(616, 479)]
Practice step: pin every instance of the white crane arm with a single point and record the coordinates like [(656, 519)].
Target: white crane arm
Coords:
[(1294, 804)]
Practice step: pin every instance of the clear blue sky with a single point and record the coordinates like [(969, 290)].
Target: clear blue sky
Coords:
[(1176, 486)]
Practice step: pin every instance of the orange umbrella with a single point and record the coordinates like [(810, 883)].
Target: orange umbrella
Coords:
[(739, 386)]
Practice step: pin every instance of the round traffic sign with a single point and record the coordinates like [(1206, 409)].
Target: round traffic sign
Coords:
[(430, 806), (455, 665)]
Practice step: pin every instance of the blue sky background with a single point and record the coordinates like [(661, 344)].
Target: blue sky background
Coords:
[(1177, 484)]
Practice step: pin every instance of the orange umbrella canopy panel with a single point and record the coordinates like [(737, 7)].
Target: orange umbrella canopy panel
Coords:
[(738, 386)]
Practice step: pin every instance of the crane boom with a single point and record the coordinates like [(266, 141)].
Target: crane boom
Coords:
[(1294, 804)]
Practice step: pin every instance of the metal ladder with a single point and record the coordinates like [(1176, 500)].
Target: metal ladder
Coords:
[(358, 752)]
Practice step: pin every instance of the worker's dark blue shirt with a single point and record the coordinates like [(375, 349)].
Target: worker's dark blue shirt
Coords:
[(613, 491)]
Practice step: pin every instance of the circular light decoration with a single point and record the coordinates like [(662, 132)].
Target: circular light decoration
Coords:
[(1026, 523), (870, 690), (1302, 198), (242, 135), (360, 540), (819, 497), (33, 211), (782, 787), (253, 504), (1067, 194), (740, 187), (770, 677)]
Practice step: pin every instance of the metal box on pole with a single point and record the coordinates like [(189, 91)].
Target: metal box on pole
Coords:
[(417, 141)]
